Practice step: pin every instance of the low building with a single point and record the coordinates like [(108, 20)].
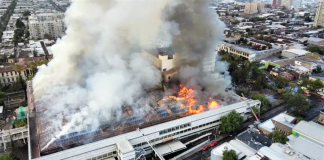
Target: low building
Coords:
[(316, 41), (241, 150), (281, 72), (249, 53), (309, 65), (310, 130), (15, 99), (306, 147), (282, 122), (7, 35), (293, 53), (297, 71)]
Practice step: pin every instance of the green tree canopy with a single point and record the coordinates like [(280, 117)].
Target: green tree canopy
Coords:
[(299, 102), (279, 137), (229, 155), (19, 23), (26, 13), (20, 123), (315, 85), (281, 82), (231, 122), (264, 101), (47, 36)]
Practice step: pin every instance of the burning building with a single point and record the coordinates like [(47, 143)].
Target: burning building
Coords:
[(170, 120), (98, 97)]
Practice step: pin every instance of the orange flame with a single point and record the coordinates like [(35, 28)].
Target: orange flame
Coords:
[(187, 98)]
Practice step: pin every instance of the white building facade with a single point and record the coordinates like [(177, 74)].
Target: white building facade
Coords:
[(158, 134), (254, 7), (47, 23)]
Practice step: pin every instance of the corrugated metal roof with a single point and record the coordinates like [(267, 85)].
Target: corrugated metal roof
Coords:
[(311, 131)]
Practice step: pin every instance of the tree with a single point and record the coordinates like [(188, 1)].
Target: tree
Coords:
[(47, 36), (19, 23), (281, 82), (264, 101), (318, 70), (229, 155), (286, 95), (248, 30), (315, 85), (299, 102), (279, 137), (26, 13), (18, 68), (291, 85), (308, 19), (27, 34), (299, 119), (20, 123), (231, 122)]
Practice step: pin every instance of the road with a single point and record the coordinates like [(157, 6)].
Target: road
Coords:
[(204, 154)]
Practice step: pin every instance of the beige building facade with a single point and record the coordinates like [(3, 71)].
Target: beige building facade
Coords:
[(254, 7), (47, 23), (319, 15)]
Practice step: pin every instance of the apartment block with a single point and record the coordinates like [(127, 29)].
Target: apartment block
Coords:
[(254, 7), (319, 16), (46, 23)]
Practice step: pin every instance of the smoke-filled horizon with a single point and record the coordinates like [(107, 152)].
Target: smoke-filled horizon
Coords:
[(96, 68)]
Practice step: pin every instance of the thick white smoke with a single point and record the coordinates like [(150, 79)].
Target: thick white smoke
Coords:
[(98, 66)]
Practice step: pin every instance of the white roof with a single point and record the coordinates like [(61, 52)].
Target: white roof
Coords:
[(267, 125), (286, 152), (217, 153), (125, 146), (300, 68), (297, 51), (308, 148), (170, 147), (248, 151), (277, 26), (315, 39), (282, 117), (271, 154), (310, 130)]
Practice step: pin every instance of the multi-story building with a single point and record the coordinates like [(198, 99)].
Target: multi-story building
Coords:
[(248, 53), (319, 16), (254, 7), (151, 136), (5, 3), (297, 3), (47, 23), (286, 3)]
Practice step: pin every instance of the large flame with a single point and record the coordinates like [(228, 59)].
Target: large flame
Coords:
[(187, 98)]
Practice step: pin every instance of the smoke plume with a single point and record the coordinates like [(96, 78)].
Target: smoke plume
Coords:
[(197, 34), (98, 66)]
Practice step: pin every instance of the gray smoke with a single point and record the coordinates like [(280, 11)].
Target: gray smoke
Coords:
[(195, 38), (97, 66)]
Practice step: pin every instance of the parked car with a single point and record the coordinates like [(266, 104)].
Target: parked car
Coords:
[(206, 147), (213, 143)]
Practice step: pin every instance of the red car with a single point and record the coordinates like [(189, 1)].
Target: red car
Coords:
[(213, 143), (206, 147)]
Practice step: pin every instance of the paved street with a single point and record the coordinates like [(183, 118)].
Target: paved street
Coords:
[(204, 154)]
